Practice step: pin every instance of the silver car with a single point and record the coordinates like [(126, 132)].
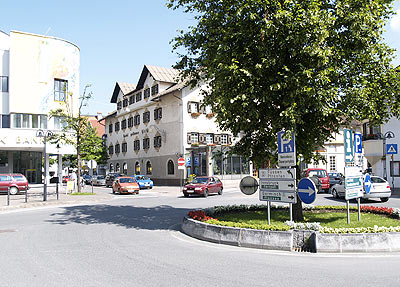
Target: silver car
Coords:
[(380, 188), (99, 180)]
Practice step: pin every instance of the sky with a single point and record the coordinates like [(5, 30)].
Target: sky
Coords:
[(117, 38)]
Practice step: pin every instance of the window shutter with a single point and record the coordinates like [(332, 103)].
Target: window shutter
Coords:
[(202, 138), (160, 113), (202, 108), (189, 107), (229, 139), (189, 138), (155, 114), (217, 139)]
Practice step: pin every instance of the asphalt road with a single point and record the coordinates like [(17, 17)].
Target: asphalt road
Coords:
[(136, 241)]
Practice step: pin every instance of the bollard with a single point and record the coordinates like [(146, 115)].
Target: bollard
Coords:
[(26, 194), (8, 196)]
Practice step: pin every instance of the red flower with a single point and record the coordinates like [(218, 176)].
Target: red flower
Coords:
[(200, 215)]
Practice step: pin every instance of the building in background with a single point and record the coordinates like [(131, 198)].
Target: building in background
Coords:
[(161, 119), (37, 74)]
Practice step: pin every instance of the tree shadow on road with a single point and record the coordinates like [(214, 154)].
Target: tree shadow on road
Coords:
[(161, 217)]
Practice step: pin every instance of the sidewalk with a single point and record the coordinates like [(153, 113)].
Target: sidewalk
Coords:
[(35, 198)]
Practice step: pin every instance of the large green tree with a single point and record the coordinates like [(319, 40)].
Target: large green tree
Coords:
[(305, 66)]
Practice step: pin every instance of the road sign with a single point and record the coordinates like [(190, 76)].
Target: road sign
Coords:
[(181, 161), (353, 183), (367, 183), (92, 164), (275, 185), (275, 173), (248, 185), (286, 150), (307, 190), (348, 145), (357, 143), (279, 196), (391, 149)]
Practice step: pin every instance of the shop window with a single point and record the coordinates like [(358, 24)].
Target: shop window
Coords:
[(60, 90), (149, 169), (111, 167), (171, 168), (3, 158), (117, 168), (125, 168), (5, 121), (137, 168)]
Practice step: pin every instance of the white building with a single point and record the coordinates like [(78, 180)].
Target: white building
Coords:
[(159, 120), (37, 74)]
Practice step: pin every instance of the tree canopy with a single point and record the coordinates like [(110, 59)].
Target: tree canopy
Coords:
[(306, 66)]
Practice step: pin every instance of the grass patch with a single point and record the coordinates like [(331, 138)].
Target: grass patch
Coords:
[(332, 219), (82, 193)]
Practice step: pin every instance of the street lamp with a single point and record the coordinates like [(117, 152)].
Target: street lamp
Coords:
[(387, 135), (44, 134), (58, 167)]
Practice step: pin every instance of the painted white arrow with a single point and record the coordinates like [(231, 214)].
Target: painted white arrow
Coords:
[(368, 184), (349, 157), (309, 190)]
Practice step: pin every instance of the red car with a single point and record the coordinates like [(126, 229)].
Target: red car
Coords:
[(15, 181), (203, 186), (321, 174), (125, 184), (65, 178)]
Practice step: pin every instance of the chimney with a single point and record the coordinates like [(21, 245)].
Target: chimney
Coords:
[(99, 115)]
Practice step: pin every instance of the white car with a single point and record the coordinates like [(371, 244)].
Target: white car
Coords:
[(380, 188)]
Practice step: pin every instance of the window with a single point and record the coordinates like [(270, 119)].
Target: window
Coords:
[(146, 117), (208, 110), (116, 125), (17, 120), (157, 141), (131, 99), (332, 163), (195, 138), (154, 90), (224, 139), (157, 114), (146, 143), (110, 151), (138, 96), (117, 168), (43, 121), (25, 121), (35, 121), (59, 123), (125, 168), (110, 128), (125, 103), (60, 90), (209, 138), (137, 120), (119, 105), (149, 169), (146, 93), (123, 124), (136, 145), (137, 168), (193, 107), (117, 148), (130, 122), (124, 147), (5, 121), (170, 167), (111, 167), (4, 84), (395, 168)]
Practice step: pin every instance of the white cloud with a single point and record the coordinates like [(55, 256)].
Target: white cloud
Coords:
[(395, 22)]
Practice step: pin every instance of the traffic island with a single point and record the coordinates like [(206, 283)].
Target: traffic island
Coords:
[(322, 240)]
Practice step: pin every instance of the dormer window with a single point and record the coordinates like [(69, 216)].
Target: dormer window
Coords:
[(146, 93), (154, 90), (119, 105)]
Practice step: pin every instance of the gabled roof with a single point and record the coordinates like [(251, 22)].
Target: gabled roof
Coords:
[(125, 88), (161, 74), (176, 87)]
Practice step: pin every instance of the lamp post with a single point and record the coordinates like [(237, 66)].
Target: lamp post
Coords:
[(58, 169), (387, 135), (44, 134)]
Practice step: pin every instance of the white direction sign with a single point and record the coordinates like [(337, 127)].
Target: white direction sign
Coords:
[(286, 150), (287, 185), (275, 173), (288, 197), (353, 182)]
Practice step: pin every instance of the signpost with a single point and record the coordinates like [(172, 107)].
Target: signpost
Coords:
[(181, 163), (307, 190), (358, 149), (392, 150), (92, 164), (353, 186), (278, 185), (286, 150), (348, 146), (367, 183)]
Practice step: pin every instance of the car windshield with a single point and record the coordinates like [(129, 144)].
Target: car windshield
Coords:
[(126, 180), (200, 180), (317, 173)]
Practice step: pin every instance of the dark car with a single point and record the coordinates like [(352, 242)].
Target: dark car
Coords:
[(16, 182), (203, 186), (111, 177), (335, 178), (87, 179)]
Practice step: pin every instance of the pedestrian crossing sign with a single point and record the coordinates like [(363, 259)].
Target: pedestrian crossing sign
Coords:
[(391, 149)]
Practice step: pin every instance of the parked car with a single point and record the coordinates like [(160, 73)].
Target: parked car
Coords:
[(65, 178), (99, 180), (111, 177), (334, 178), (15, 181), (144, 181), (203, 186), (125, 184), (87, 179), (380, 188), (321, 174)]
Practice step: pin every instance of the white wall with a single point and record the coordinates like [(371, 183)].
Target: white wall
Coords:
[(4, 69)]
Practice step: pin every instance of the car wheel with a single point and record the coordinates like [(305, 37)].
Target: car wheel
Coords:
[(13, 190), (205, 193), (186, 194), (220, 191), (384, 199)]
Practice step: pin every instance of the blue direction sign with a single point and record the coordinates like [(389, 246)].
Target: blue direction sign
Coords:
[(348, 145), (307, 190), (286, 150), (357, 143), (391, 149), (367, 183)]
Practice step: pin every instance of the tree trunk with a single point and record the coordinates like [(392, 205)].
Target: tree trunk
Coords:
[(78, 156), (298, 210)]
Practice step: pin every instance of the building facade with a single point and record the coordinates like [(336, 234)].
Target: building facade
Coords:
[(161, 119), (37, 74)]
